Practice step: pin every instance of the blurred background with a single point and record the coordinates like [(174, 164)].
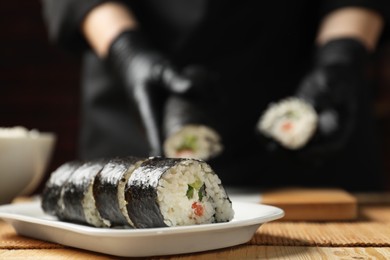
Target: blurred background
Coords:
[(39, 82)]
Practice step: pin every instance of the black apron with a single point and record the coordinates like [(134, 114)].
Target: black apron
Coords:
[(260, 54)]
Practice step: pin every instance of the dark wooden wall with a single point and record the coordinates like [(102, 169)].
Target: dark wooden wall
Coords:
[(39, 83)]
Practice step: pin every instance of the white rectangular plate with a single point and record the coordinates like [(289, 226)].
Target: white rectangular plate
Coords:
[(28, 219)]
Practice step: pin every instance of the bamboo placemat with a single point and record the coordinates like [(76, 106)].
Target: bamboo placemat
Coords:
[(10, 240), (371, 229), (323, 234)]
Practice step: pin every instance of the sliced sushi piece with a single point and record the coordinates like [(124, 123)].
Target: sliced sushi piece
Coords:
[(159, 192), (165, 192), (51, 194), (77, 195), (188, 131), (193, 141), (292, 122), (109, 190)]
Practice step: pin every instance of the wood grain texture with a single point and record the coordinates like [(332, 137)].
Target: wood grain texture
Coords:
[(241, 252), (367, 237), (313, 204)]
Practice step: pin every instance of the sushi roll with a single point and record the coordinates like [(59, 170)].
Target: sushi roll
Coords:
[(193, 141), (188, 133), (135, 192), (292, 122), (165, 192), (51, 194), (77, 197), (109, 190)]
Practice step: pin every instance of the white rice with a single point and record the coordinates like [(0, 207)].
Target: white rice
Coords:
[(17, 131), (291, 122), (208, 143), (121, 191), (178, 209), (87, 173), (92, 215)]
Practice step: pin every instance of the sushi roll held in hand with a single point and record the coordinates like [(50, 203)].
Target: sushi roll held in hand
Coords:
[(291, 122), (193, 141), (187, 131)]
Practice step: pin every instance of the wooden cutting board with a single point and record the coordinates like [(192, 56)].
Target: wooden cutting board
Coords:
[(313, 204)]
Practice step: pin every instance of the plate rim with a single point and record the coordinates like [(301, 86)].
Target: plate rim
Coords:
[(239, 231), (275, 213)]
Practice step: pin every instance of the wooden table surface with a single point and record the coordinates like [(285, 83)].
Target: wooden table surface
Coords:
[(368, 237)]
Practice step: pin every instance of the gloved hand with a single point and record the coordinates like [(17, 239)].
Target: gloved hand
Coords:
[(147, 74), (332, 88)]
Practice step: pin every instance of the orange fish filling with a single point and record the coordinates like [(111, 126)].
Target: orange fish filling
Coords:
[(185, 153), (287, 126), (198, 209)]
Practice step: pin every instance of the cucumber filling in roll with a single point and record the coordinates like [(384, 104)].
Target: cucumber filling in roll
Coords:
[(138, 193), (190, 193), (193, 141)]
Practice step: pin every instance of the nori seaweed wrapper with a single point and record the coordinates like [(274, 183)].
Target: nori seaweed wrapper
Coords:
[(51, 194), (76, 188), (106, 188), (141, 192)]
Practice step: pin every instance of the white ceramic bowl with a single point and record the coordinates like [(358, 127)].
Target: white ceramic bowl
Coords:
[(24, 157)]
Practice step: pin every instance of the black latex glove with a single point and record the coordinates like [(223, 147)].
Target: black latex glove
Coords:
[(332, 88), (147, 74)]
